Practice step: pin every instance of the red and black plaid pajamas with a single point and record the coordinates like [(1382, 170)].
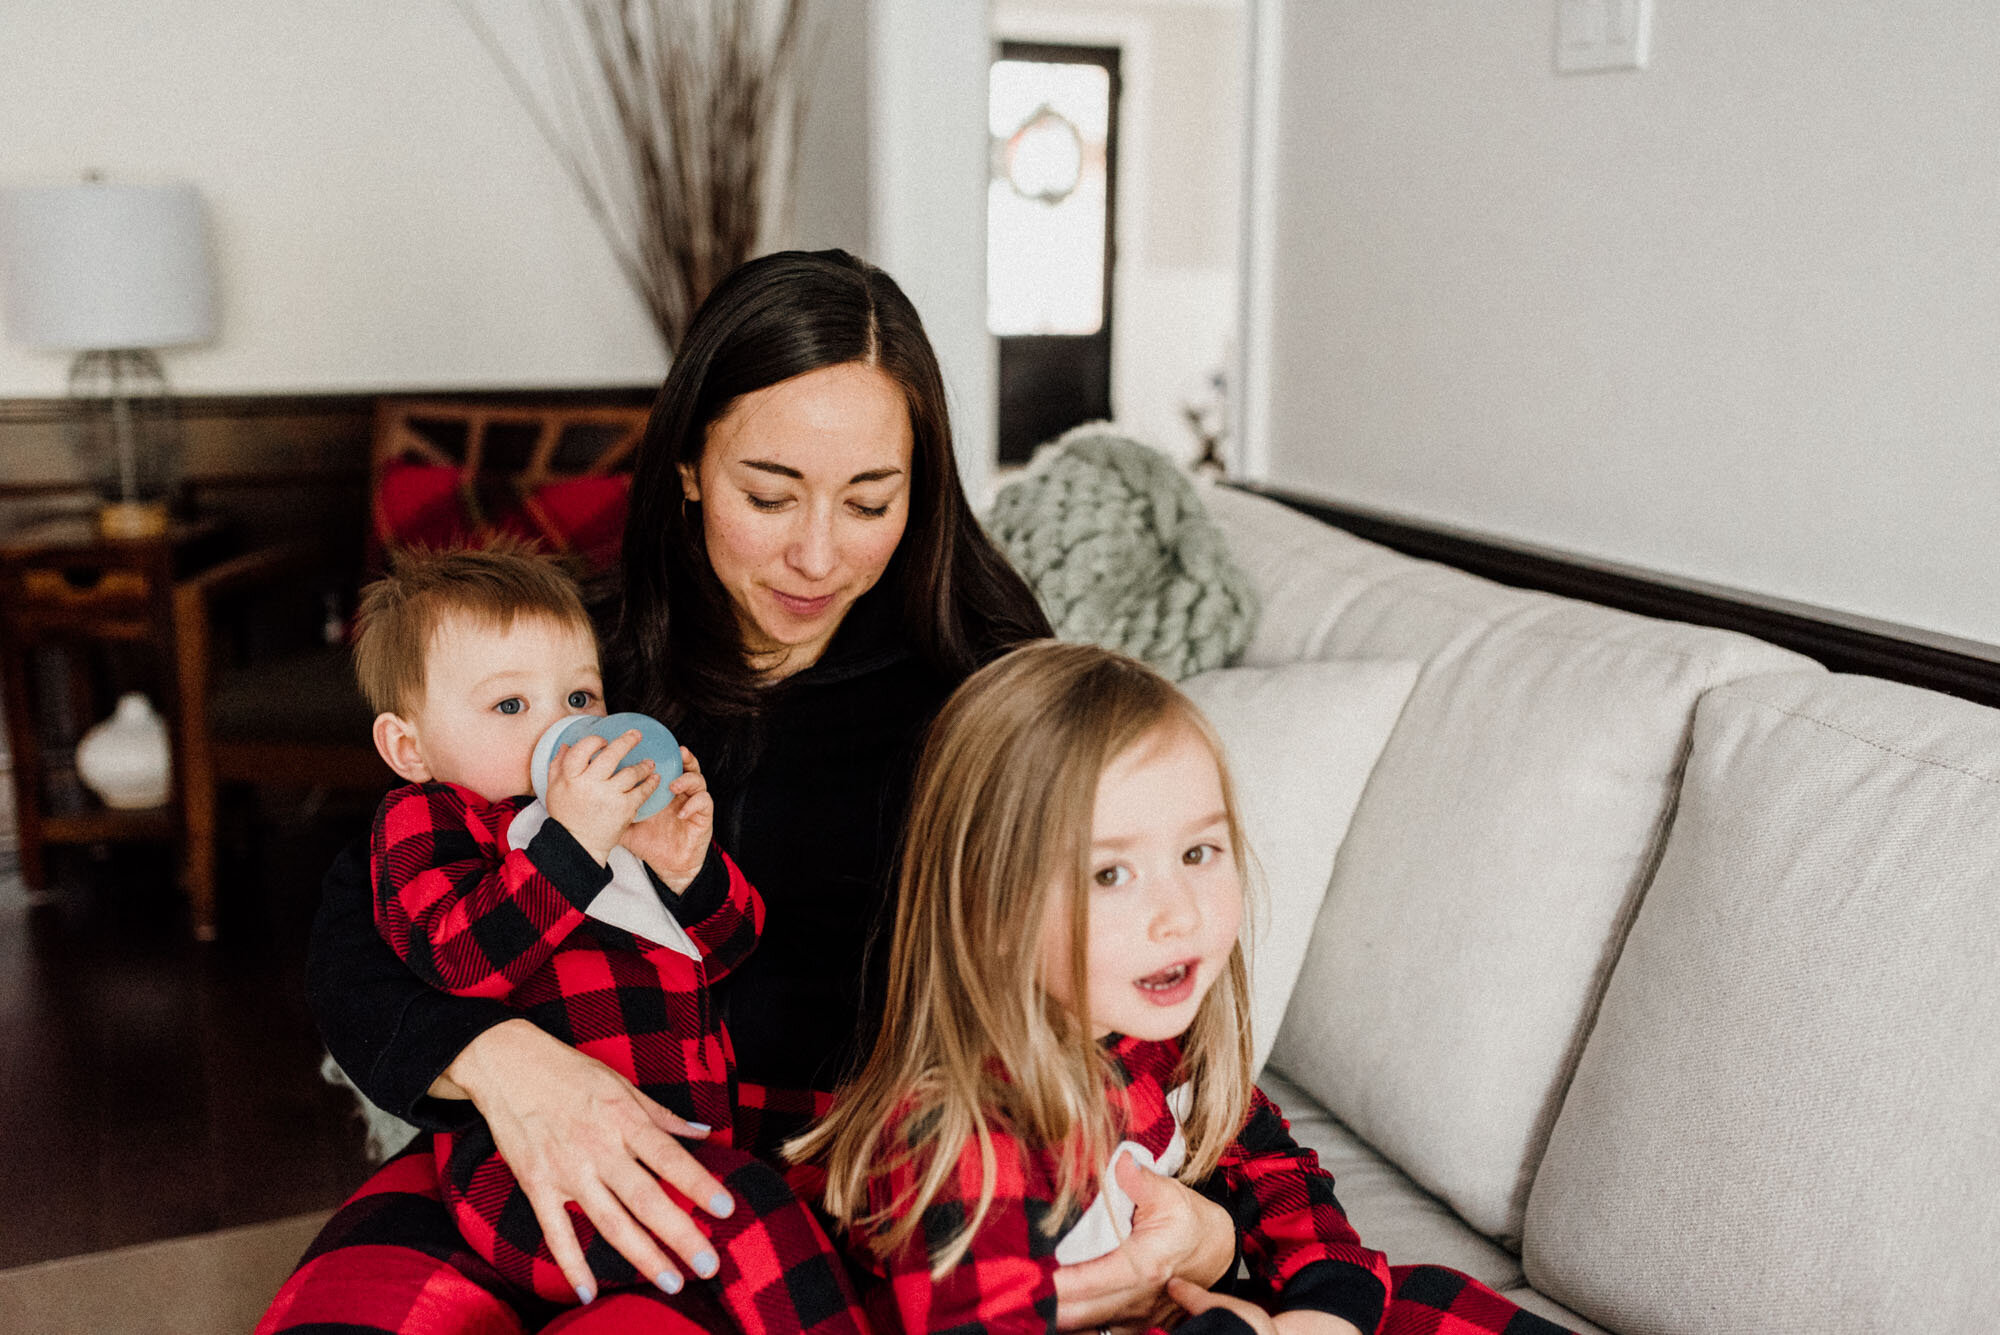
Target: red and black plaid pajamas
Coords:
[(473, 917), (392, 1260), (1299, 1249)]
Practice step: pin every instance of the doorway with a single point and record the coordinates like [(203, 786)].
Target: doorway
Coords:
[(1172, 259), (1051, 249)]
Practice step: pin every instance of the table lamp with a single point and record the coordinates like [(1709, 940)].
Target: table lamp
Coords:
[(112, 272)]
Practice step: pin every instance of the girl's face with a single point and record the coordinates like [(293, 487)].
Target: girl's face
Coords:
[(804, 489), (1165, 896)]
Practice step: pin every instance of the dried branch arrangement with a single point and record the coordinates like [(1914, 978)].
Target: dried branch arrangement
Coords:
[(677, 120)]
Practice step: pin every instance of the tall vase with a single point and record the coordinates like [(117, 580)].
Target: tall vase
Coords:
[(124, 759)]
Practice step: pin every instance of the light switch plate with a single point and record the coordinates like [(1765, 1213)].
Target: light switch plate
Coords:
[(1602, 35)]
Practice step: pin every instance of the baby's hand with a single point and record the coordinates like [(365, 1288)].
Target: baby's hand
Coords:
[(674, 840), (592, 797)]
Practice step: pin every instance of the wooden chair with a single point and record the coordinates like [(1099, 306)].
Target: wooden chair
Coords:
[(441, 473)]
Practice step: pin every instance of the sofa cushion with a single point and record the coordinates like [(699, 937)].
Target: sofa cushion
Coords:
[(1301, 741), (1306, 573), (1391, 1213), (1788, 1114), (1482, 891), (1544, 1306)]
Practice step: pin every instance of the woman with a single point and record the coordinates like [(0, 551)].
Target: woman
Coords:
[(803, 585)]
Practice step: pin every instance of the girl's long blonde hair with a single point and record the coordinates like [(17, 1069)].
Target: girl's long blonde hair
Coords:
[(970, 1042)]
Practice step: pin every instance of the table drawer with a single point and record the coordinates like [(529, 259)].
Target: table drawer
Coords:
[(35, 594)]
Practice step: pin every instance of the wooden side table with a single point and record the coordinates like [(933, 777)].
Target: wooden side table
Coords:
[(68, 592)]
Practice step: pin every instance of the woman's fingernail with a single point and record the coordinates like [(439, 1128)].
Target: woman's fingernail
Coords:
[(669, 1281), (721, 1206), (584, 1293), (700, 1128), (706, 1265)]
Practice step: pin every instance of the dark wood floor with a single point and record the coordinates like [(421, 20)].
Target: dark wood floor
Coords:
[(150, 1086)]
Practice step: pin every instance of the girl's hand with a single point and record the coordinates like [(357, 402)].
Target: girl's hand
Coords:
[(1198, 1300), (573, 1129), (674, 840), (592, 797), (1176, 1233)]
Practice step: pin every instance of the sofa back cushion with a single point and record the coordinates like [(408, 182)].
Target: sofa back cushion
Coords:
[(1788, 1114), (1480, 897), (1301, 741)]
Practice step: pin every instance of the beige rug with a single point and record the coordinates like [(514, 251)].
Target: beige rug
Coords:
[(207, 1284)]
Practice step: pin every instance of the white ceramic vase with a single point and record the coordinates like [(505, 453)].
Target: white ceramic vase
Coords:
[(124, 759)]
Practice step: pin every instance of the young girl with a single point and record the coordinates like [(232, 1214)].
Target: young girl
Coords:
[(1067, 990)]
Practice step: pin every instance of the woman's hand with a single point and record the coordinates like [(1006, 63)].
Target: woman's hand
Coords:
[(673, 841), (1176, 1233), (573, 1129)]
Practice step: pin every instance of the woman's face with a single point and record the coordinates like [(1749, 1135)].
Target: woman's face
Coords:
[(804, 489)]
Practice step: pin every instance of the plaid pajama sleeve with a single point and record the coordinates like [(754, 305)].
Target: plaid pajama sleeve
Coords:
[(465, 913), (1302, 1253), (722, 913), (1005, 1283)]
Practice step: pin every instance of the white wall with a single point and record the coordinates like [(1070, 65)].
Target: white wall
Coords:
[(385, 214), (1734, 318), (927, 225), (1174, 294), (832, 192)]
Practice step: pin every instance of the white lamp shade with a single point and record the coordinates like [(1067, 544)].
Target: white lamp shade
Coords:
[(106, 266)]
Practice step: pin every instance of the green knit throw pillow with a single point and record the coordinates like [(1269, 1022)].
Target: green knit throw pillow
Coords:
[(1112, 537)]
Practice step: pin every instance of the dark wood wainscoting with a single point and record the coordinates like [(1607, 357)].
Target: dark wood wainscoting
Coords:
[(278, 465), (1843, 643)]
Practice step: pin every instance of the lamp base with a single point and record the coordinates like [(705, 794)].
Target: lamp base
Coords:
[(129, 432), (132, 519)]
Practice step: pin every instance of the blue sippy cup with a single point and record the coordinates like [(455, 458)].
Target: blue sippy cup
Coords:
[(655, 744)]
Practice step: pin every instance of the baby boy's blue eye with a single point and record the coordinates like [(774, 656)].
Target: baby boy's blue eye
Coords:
[(579, 699), (511, 705)]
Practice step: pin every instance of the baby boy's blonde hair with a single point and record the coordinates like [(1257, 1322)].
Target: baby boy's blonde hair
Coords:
[(401, 612)]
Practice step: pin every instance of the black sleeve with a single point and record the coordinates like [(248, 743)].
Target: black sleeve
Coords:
[(391, 1034), (704, 894), (1216, 1188), (1215, 1321)]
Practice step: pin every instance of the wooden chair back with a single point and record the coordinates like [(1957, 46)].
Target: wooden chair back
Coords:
[(445, 471)]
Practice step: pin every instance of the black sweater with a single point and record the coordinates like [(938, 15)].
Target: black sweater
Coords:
[(809, 800)]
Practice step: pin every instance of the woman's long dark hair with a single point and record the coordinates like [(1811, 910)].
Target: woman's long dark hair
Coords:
[(675, 646)]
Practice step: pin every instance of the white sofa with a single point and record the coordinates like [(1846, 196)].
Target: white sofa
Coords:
[(1657, 980)]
